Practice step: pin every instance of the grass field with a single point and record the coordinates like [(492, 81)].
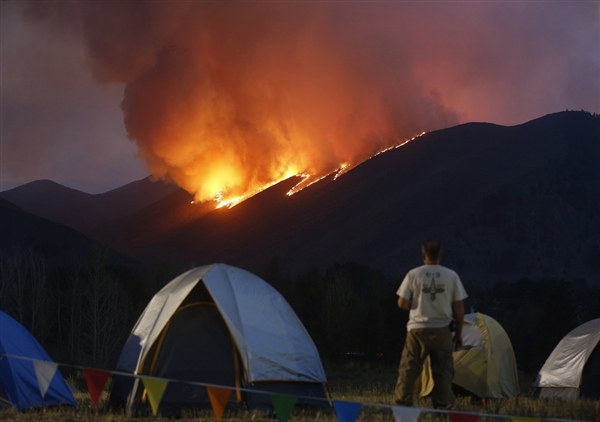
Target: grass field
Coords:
[(370, 385)]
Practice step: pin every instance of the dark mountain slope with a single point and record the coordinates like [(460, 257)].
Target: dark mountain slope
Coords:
[(142, 228), (490, 193), (56, 243), (55, 202), (83, 211)]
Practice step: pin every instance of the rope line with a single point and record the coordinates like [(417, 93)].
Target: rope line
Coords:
[(257, 391)]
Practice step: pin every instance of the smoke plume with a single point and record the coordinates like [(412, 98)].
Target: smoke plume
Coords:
[(225, 97)]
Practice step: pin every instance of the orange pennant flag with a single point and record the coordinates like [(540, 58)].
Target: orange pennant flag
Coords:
[(218, 398), (156, 388), (96, 379)]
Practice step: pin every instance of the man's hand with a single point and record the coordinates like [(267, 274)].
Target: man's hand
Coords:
[(459, 316), (403, 303), (457, 340)]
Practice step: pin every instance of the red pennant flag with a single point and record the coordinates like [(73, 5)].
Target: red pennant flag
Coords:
[(96, 379), (463, 417), (218, 399)]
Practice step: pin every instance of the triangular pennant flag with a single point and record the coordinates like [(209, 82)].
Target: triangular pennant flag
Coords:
[(523, 419), (463, 417), (96, 379), (284, 405), (347, 411), (218, 399), (406, 414), (155, 388), (44, 372)]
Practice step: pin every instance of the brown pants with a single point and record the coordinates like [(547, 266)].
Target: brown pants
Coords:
[(420, 343)]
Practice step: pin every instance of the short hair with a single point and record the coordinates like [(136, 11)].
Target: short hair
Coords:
[(432, 249)]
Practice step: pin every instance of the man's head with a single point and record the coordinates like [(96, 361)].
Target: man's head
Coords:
[(432, 251)]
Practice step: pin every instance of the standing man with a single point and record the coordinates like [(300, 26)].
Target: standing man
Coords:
[(430, 293)]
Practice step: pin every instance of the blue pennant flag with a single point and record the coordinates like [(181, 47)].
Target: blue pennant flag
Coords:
[(347, 411)]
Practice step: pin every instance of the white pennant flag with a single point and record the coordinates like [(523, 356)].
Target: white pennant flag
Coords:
[(44, 372), (406, 414)]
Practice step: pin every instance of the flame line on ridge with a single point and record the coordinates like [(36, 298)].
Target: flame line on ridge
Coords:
[(343, 169)]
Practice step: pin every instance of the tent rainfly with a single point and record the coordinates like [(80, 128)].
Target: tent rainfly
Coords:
[(28, 377), (223, 326), (573, 368), (485, 366)]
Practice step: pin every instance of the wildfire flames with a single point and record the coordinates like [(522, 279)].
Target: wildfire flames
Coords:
[(226, 99), (304, 183)]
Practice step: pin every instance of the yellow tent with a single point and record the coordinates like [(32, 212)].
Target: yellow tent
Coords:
[(485, 365)]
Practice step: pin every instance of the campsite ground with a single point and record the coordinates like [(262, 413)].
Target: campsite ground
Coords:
[(370, 385)]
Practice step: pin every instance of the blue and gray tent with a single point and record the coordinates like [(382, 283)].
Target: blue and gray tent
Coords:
[(224, 326), (28, 377)]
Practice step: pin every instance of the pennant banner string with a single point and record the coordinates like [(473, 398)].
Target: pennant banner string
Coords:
[(312, 398)]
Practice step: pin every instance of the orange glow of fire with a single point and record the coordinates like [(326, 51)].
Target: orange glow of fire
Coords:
[(222, 200), (232, 202)]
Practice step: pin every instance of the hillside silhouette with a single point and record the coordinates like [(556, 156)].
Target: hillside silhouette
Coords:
[(506, 202), (83, 211), (55, 243)]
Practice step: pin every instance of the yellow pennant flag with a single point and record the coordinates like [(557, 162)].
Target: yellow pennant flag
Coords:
[(218, 399), (523, 419), (155, 388)]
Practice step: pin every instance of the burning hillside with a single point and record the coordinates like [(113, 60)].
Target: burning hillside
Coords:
[(307, 179), (226, 99)]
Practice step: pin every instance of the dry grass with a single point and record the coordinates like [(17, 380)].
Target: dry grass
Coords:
[(372, 386)]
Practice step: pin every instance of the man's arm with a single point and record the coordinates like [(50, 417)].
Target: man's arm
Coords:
[(403, 303), (459, 315)]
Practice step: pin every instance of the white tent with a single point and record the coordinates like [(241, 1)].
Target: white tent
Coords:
[(573, 368), (220, 325)]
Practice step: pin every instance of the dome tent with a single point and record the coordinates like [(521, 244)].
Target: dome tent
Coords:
[(486, 365), (224, 326), (22, 359), (573, 368)]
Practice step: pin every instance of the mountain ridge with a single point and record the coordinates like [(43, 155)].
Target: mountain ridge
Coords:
[(57, 244), (506, 201), (380, 211), (84, 211)]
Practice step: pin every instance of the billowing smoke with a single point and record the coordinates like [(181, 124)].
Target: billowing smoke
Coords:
[(224, 97)]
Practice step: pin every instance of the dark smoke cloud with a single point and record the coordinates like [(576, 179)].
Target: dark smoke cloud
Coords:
[(232, 95), (56, 122)]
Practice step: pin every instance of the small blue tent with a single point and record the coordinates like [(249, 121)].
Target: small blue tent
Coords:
[(33, 381)]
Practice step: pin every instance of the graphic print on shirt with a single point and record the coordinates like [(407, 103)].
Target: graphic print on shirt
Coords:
[(432, 289)]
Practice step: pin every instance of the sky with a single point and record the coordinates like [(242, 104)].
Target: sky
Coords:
[(224, 97)]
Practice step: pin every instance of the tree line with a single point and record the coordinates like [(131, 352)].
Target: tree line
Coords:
[(83, 313), (351, 311)]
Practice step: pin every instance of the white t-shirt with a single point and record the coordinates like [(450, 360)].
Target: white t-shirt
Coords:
[(431, 289)]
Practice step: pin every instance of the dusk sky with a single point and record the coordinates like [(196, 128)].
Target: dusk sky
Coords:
[(224, 97)]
